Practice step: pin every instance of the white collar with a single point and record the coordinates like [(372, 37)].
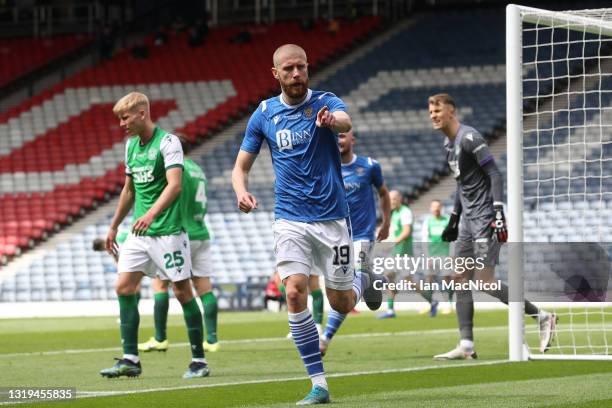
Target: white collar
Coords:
[(308, 95), (353, 160)]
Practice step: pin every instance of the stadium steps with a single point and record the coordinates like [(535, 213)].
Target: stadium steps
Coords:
[(65, 235), (590, 83), (86, 191), (447, 186), (210, 144)]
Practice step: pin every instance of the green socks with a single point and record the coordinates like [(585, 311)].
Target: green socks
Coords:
[(160, 314), (427, 295), (281, 288), (317, 306), (130, 320), (193, 320), (450, 292), (209, 303), (390, 303)]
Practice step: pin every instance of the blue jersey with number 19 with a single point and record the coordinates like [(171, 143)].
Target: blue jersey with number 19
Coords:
[(305, 158), (359, 176)]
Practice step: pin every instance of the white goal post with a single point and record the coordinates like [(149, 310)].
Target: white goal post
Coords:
[(553, 59)]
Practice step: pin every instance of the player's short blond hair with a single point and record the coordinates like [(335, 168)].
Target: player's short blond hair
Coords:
[(287, 50), (132, 101), (442, 99)]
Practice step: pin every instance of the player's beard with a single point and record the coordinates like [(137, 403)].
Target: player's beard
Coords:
[(296, 91)]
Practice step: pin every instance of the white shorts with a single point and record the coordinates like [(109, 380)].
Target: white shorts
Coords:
[(168, 256), (201, 258), (323, 247), (362, 254), (363, 251)]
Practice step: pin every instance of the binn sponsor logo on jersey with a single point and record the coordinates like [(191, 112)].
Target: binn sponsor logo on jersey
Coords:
[(287, 140), (351, 186)]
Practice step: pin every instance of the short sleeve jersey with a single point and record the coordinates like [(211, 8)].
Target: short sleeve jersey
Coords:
[(400, 218), (466, 156), (432, 233), (305, 158), (360, 176), (147, 165), (194, 202)]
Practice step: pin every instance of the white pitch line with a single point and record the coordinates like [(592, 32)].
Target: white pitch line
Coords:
[(246, 341), (91, 394)]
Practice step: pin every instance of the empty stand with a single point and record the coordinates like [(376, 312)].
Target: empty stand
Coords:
[(28, 54), (61, 151)]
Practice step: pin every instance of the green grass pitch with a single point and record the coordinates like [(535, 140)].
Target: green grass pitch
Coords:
[(371, 363)]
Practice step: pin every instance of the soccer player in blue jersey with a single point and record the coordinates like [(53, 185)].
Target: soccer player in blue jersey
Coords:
[(300, 127), (362, 176)]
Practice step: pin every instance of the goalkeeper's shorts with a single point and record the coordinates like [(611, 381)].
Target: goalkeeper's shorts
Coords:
[(475, 240)]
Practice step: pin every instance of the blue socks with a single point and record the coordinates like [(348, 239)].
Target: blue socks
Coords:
[(361, 281), (334, 320), (306, 339)]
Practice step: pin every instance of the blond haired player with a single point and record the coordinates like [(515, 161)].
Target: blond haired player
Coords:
[(154, 170)]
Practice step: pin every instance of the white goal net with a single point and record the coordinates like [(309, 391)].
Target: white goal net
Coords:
[(559, 93)]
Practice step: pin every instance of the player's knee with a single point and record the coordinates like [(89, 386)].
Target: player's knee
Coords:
[(342, 307), (160, 285), (294, 295), (182, 291), (124, 288), (341, 303)]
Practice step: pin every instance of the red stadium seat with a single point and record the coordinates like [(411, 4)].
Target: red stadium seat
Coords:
[(67, 161)]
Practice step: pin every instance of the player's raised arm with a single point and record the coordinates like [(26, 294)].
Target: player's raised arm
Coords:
[(240, 180), (126, 201), (339, 121)]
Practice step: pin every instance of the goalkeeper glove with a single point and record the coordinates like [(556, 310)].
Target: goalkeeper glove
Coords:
[(500, 228), (452, 229)]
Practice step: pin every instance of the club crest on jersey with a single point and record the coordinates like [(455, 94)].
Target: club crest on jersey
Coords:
[(152, 154), (360, 170), (308, 112), (286, 139)]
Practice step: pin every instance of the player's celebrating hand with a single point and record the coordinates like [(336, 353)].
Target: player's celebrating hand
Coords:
[(500, 228), (383, 232), (325, 118), (246, 202)]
